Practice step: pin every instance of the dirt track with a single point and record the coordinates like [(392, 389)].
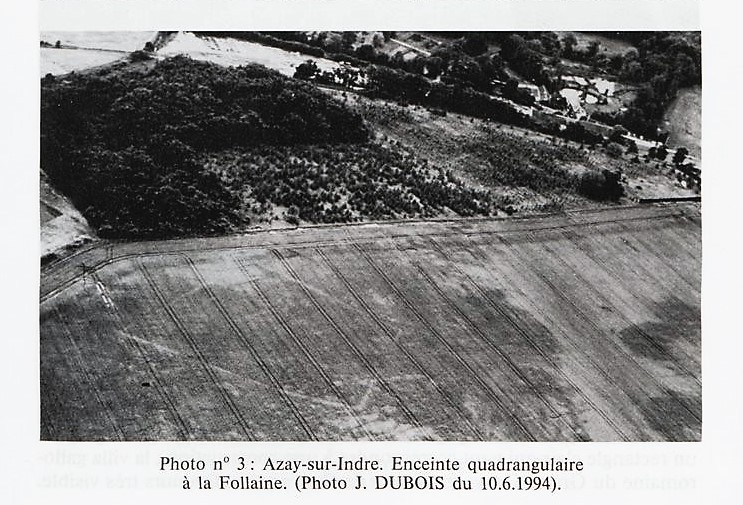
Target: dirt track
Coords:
[(578, 326)]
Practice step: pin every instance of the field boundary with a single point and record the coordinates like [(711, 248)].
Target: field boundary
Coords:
[(303, 237)]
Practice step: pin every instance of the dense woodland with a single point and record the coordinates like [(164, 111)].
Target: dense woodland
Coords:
[(134, 149)]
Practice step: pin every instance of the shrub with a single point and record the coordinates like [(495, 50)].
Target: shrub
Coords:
[(601, 186)]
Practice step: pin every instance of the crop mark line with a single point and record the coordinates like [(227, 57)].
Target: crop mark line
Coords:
[(638, 268), (525, 335), (669, 264), (486, 388), (317, 243), (593, 325), (622, 351), (494, 347), (155, 376), (253, 352), (287, 329), (610, 272), (83, 368), (597, 367), (402, 348), (242, 423), (357, 352)]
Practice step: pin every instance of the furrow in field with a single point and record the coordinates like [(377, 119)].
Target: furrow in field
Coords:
[(359, 384), (581, 357), (686, 239), (140, 355), (424, 399), (241, 423), (184, 383), (554, 414), (298, 370), (360, 356), (523, 336), (119, 374), (392, 371), (640, 271), (465, 338), (493, 392), (671, 261), (604, 313), (78, 416), (489, 420), (308, 433), (641, 322), (648, 392)]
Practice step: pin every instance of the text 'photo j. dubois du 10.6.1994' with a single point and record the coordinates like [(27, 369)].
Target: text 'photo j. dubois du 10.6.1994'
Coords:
[(370, 236)]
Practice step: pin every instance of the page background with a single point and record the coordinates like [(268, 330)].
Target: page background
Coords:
[(28, 466)]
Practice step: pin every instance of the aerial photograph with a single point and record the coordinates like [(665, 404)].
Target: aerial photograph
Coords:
[(346, 236)]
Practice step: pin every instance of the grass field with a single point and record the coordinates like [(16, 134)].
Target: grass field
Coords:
[(577, 326), (684, 120), (227, 52)]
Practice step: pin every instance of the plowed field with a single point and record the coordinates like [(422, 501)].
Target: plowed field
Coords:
[(576, 326)]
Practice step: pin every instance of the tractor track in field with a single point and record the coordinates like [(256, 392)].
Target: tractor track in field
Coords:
[(242, 423), (524, 334), (245, 342), (575, 345), (298, 342), (359, 355), (492, 346), (635, 327), (180, 422), (471, 427), (650, 247), (619, 348), (111, 258), (118, 432), (462, 362), (582, 315), (638, 270)]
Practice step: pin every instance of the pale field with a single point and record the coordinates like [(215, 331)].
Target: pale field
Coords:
[(233, 52), (577, 326)]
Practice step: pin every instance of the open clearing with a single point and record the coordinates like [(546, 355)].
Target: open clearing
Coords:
[(684, 120), (234, 52), (574, 326)]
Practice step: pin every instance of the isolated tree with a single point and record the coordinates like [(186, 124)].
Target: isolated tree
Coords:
[(306, 70), (569, 42), (366, 52), (349, 39), (593, 49), (474, 44), (680, 155)]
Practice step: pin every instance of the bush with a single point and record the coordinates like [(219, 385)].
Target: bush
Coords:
[(601, 186)]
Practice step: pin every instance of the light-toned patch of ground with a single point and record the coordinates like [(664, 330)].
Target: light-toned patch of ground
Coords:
[(63, 61), (608, 46), (233, 52), (120, 41), (684, 121), (62, 225)]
